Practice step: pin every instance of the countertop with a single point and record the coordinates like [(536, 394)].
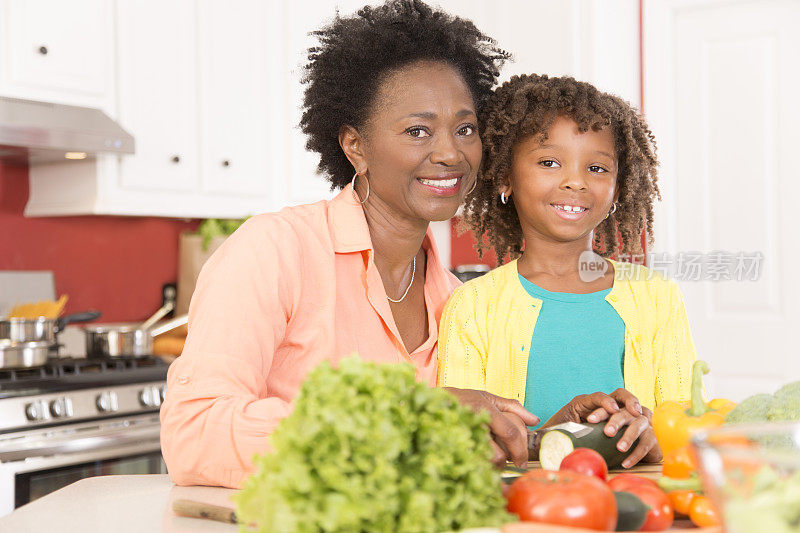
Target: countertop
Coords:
[(117, 504), (143, 503)]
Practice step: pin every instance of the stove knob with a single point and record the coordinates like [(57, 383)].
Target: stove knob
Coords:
[(146, 397), (150, 397), (36, 411), (156, 396), (61, 408), (107, 402)]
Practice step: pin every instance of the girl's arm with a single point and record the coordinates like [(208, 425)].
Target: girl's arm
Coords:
[(674, 349), (462, 350)]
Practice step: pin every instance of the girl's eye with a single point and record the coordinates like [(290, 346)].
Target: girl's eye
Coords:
[(417, 132), (467, 129), (597, 168), (549, 163)]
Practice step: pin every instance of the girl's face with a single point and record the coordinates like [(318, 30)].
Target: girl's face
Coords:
[(421, 146), (564, 186)]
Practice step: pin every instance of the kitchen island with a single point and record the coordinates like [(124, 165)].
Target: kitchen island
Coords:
[(118, 504), (139, 503)]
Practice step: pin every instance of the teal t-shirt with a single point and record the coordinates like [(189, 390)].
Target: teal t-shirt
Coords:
[(577, 348)]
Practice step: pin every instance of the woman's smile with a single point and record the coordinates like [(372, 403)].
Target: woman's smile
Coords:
[(442, 185)]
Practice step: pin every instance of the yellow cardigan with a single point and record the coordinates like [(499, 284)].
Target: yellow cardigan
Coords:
[(487, 326)]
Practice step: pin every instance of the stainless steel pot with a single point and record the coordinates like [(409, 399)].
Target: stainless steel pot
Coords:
[(41, 329), (126, 340), (23, 354)]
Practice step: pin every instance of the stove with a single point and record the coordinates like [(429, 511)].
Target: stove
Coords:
[(74, 418)]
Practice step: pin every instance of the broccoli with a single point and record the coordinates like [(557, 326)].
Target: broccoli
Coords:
[(786, 403), (753, 409)]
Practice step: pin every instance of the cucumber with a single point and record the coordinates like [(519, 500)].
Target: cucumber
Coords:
[(631, 511), (559, 441)]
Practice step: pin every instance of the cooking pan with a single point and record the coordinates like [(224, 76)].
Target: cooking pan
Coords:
[(23, 354), (126, 340), (40, 329)]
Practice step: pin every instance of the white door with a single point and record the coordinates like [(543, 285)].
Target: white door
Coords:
[(721, 84)]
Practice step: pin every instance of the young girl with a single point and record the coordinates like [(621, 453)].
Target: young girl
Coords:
[(568, 172)]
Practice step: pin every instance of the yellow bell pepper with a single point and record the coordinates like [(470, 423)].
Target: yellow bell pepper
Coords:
[(674, 422)]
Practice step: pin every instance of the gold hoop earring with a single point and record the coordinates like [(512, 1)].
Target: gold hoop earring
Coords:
[(503, 198), (473, 187), (353, 182), (612, 211)]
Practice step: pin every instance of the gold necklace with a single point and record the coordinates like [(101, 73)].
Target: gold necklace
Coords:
[(413, 271)]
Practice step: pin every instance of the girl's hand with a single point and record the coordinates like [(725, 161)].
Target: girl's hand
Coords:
[(620, 408), (507, 423)]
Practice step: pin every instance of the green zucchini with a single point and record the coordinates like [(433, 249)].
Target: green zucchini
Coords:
[(559, 441), (631, 511)]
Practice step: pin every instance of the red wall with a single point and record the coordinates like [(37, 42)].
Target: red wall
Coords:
[(114, 264)]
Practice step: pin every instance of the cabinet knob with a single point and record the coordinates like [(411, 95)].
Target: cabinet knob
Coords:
[(43, 50), (226, 163), (176, 159)]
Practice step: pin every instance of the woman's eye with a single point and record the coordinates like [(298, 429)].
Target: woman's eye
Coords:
[(597, 168), (467, 129), (549, 163), (417, 132)]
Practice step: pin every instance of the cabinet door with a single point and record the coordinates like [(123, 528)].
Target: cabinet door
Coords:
[(234, 97), (56, 50), (158, 93)]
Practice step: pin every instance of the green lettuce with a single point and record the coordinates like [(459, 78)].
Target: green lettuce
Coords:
[(367, 448)]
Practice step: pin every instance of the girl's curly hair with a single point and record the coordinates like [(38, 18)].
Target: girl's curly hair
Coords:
[(527, 105), (357, 53)]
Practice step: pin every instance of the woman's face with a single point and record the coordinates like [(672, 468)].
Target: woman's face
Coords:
[(421, 147), (563, 186)]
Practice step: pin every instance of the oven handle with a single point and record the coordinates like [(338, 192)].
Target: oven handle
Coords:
[(82, 444)]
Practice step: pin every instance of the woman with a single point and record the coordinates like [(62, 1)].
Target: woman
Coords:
[(391, 107)]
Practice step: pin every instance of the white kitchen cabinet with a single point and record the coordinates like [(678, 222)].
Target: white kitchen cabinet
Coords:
[(194, 91), (211, 93), (157, 66), (235, 97), (58, 51)]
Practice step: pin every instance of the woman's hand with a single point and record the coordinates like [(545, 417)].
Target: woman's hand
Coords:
[(620, 408), (507, 423)]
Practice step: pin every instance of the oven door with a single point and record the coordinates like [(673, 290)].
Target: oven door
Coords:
[(38, 462)]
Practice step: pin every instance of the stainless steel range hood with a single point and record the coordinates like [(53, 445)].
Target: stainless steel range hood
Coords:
[(34, 132)]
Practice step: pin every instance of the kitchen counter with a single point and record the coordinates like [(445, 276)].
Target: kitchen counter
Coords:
[(135, 504), (118, 504)]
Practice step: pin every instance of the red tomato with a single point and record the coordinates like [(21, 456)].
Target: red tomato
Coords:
[(622, 482), (563, 498), (585, 461), (661, 514)]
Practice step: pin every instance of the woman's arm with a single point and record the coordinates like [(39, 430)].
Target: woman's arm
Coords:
[(217, 414)]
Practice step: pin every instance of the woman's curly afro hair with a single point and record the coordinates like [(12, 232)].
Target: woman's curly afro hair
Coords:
[(355, 54), (527, 105)]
